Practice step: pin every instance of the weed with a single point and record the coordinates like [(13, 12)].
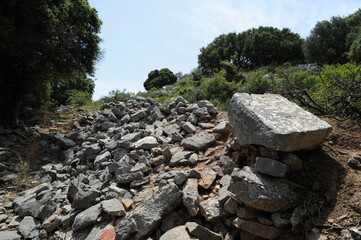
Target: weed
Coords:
[(22, 168)]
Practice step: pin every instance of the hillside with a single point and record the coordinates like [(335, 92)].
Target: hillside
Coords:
[(135, 151)]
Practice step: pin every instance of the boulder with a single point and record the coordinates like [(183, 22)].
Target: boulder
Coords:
[(262, 192), (190, 196), (87, 217), (29, 227), (270, 167), (201, 232), (274, 122), (10, 235), (211, 209), (177, 233)]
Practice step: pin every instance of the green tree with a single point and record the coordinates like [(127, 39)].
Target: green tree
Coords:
[(63, 89), (42, 41), (252, 48), (159, 79), (327, 42), (269, 45)]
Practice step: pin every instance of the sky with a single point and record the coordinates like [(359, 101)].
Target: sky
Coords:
[(143, 35)]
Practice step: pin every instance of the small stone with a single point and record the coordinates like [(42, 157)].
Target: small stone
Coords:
[(265, 221), (354, 163), (29, 227), (180, 178), (208, 177), (247, 213), (257, 229), (198, 142), (127, 203), (202, 232), (113, 207), (279, 222), (211, 209), (292, 161), (177, 233), (10, 235), (190, 196), (270, 167), (189, 128)]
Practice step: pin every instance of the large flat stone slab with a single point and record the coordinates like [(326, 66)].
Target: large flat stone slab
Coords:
[(262, 192), (274, 122)]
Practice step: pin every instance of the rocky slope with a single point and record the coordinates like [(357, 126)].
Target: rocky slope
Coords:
[(141, 170)]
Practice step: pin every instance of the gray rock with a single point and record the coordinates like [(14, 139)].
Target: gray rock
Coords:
[(274, 122), (145, 218), (262, 192), (279, 222), (102, 157), (223, 194), (177, 233), (113, 207), (87, 217), (202, 232), (29, 227), (211, 209), (128, 177), (57, 218), (354, 163), (231, 206), (179, 156), (192, 119), (190, 196), (198, 142), (10, 235), (66, 143), (297, 219), (257, 229), (247, 213), (270, 167), (146, 143), (210, 108), (65, 155), (137, 116), (189, 128), (125, 119), (292, 161), (222, 127), (170, 221), (346, 235), (170, 129), (180, 178), (84, 197)]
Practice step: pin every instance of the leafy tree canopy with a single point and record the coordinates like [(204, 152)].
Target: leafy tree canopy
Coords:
[(252, 48), (159, 79), (42, 41)]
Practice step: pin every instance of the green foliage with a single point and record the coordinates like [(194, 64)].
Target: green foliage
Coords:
[(67, 90), (216, 88), (339, 90), (78, 98), (252, 48), (159, 78), (22, 168), (327, 42), (43, 41), (258, 82), (117, 95)]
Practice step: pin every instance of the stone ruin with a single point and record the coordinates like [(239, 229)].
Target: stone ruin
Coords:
[(142, 170)]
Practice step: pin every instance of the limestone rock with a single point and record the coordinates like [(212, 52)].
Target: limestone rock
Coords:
[(211, 209), (270, 167), (29, 227), (262, 192), (274, 122), (87, 217), (257, 229), (198, 142), (190, 196), (113, 207), (208, 177), (146, 143), (177, 233), (202, 232), (10, 235), (146, 217)]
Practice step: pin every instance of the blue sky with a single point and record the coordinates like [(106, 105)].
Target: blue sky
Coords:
[(142, 35)]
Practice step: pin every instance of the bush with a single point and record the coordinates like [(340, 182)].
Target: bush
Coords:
[(117, 95), (79, 98), (258, 82), (216, 88)]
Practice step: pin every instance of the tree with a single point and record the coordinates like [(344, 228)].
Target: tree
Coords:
[(252, 48), (63, 89), (327, 42), (41, 42), (159, 79)]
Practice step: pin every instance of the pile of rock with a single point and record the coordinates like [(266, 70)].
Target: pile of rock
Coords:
[(139, 169)]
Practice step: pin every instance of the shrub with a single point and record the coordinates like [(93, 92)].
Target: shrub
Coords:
[(117, 95), (78, 98), (258, 82), (159, 79)]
